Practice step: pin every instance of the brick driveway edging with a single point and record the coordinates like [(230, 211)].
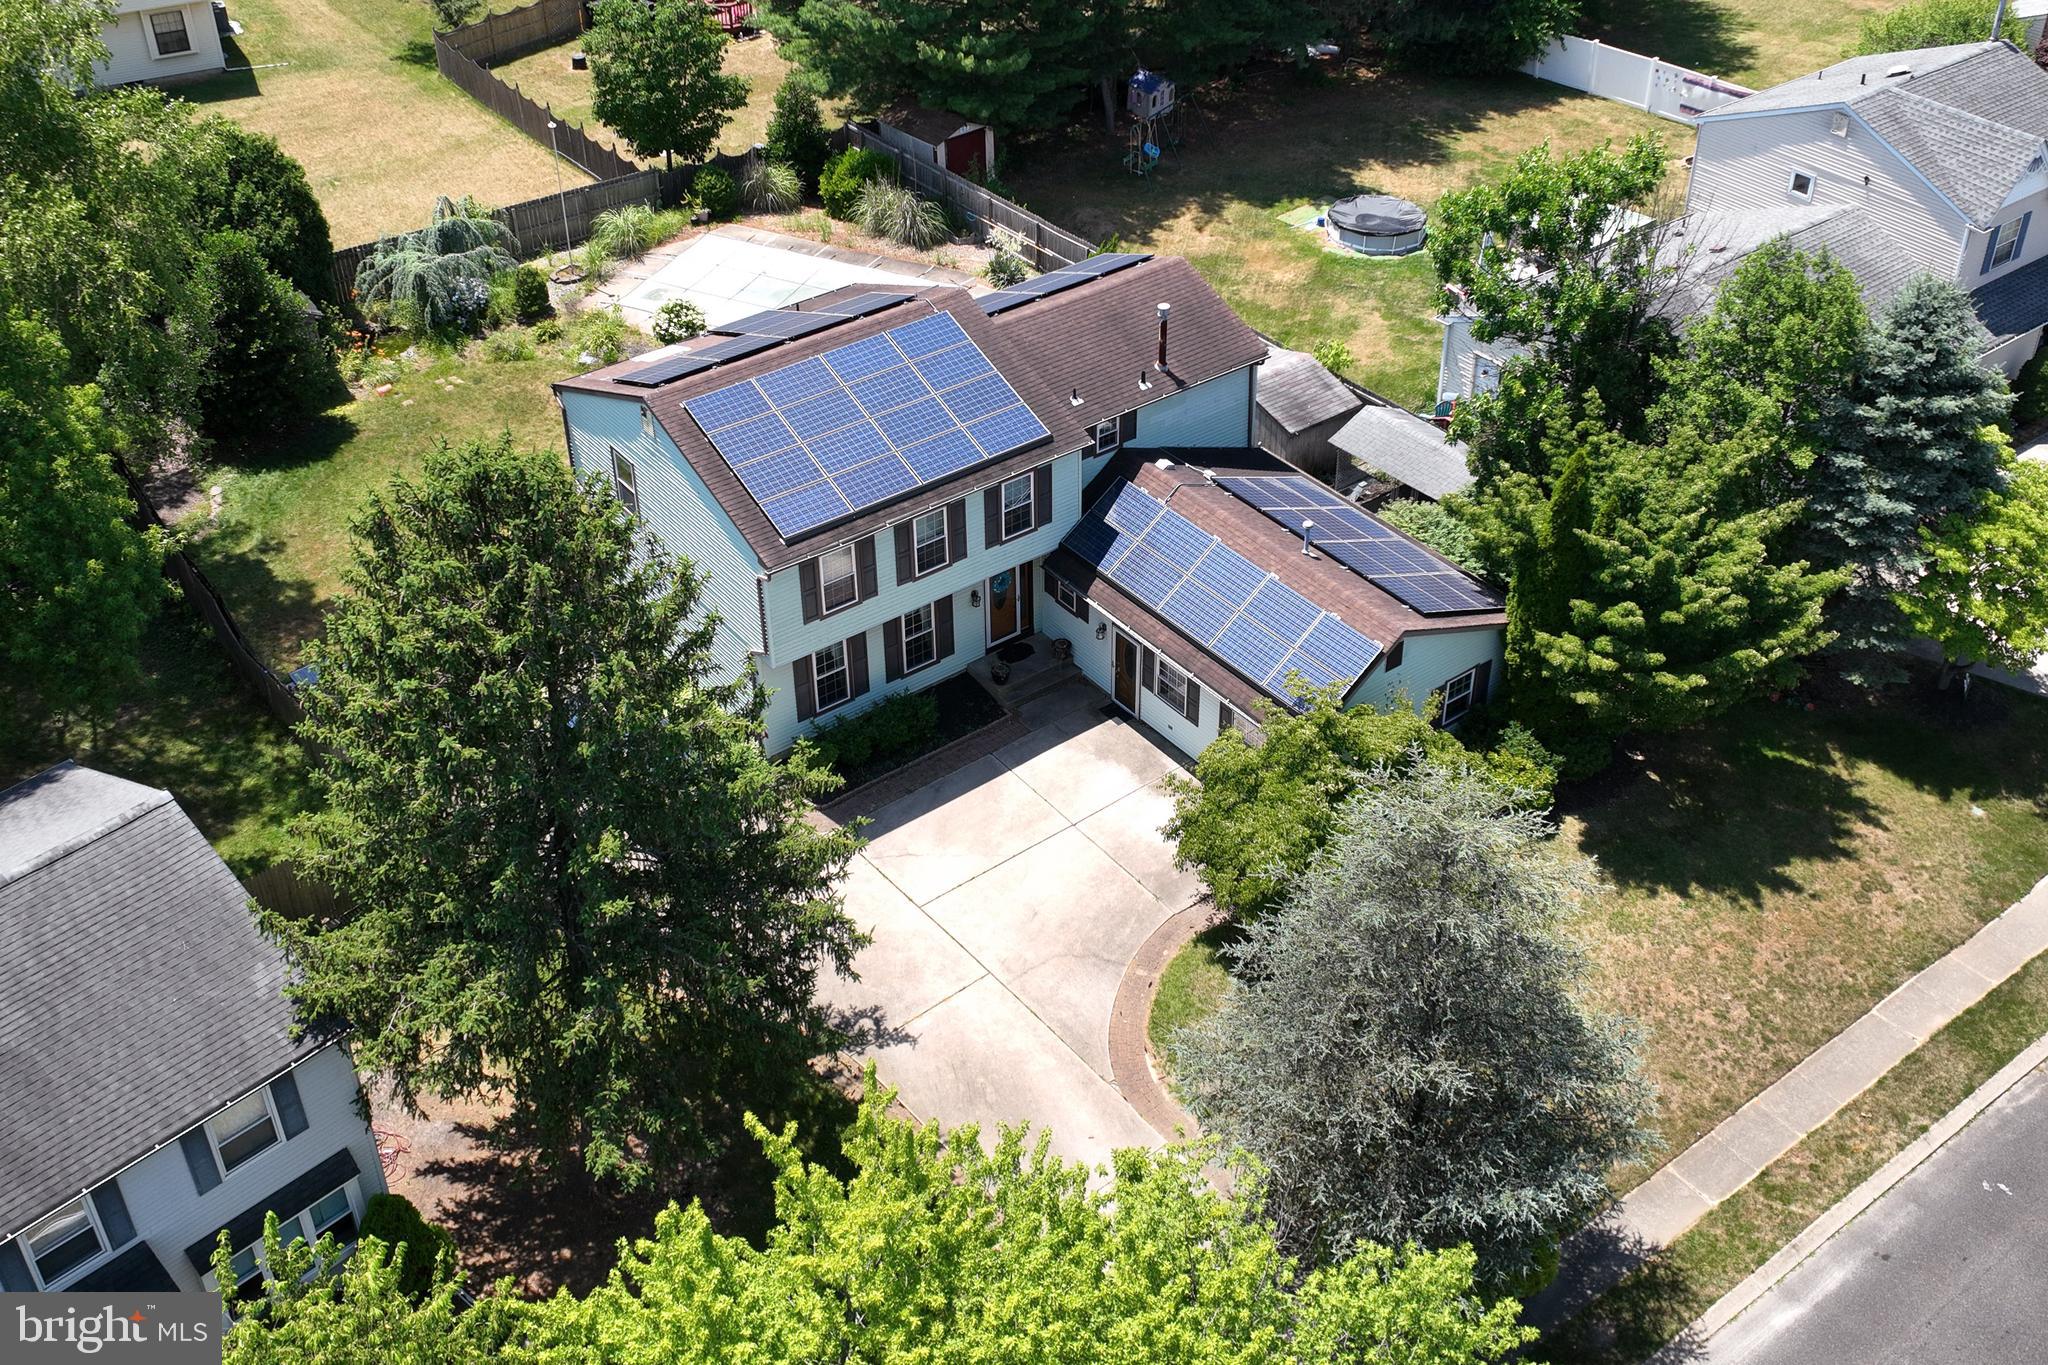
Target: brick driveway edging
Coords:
[(1130, 1051)]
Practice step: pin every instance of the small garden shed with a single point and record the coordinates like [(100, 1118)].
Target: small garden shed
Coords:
[(939, 138), (1300, 406)]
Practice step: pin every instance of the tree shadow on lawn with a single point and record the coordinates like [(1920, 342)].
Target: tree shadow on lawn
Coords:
[(276, 615), (1990, 743), (1725, 809), (1271, 138), (1697, 33), (1651, 1308), (230, 84), (418, 53)]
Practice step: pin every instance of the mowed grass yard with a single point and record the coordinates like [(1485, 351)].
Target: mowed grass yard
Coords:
[(349, 88), (1751, 42), (546, 76), (281, 545), (1777, 874), (1280, 140)]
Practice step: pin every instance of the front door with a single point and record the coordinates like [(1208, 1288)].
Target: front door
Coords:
[(1127, 672), (1003, 619)]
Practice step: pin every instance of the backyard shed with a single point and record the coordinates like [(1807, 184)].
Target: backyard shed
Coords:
[(1300, 407), (1376, 224), (1407, 448), (939, 138)]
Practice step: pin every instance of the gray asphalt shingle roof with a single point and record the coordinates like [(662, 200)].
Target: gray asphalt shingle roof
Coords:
[(136, 994), (1971, 118), (1297, 392)]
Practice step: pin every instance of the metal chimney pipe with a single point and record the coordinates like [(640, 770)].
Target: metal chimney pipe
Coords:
[(1306, 527), (1164, 309)]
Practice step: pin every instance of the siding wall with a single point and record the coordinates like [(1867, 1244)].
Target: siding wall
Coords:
[(1430, 661), (2013, 355), (2032, 248), (678, 509), (170, 1215), (1216, 413), (132, 58), (1744, 163), (970, 635), (1096, 659)]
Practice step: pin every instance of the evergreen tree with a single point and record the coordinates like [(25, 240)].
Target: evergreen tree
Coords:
[(1461, 35), (796, 130), (657, 76), (580, 882), (1983, 595), (1193, 40), (78, 580), (243, 181), (1403, 1047), (267, 368), (1915, 443)]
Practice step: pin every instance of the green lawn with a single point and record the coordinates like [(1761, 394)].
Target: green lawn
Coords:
[(191, 727), (1650, 1307), (349, 88), (547, 77), (1278, 140), (278, 552), (1752, 42), (1777, 875), (1191, 987)]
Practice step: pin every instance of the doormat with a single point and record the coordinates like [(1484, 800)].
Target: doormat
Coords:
[(1016, 652), (1113, 711)]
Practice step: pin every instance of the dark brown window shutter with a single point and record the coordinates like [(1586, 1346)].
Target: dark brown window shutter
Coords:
[(942, 615), (1041, 496), (1480, 677), (992, 515), (1194, 711), (1027, 600), (1127, 428), (956, 530), (1145, 658), (857, 665), (806, 689), (906, 567), (807, 586), (864, 567), (892, 649)]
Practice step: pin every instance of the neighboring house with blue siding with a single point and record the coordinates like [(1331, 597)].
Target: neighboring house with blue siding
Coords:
[(872, 484), (151, 1092), (1900, 164)]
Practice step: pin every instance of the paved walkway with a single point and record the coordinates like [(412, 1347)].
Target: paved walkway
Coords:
[(1658, 1211)]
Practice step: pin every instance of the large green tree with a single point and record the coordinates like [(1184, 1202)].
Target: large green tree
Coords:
[(1983, 592), (78, 580), (937, 1249), (244, 182), (1544, 257), (1912, 442), (581, 884), (1403, 1046), (267, 367), (657, 76), (1490, 35)]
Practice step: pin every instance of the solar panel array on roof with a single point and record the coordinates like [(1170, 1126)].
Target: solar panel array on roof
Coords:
[(857, 425), (666, 371), (780, 323), (860, 305), (1237, 611), (1054, 281), (1363, 543)]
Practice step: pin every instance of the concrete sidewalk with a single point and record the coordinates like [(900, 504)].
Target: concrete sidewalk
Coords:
[(1658, 1211)]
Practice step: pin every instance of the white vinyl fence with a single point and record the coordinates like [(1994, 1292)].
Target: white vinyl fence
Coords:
[(1647, 83)]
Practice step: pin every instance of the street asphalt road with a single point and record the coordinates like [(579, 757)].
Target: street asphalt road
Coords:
[(1949, 1265)]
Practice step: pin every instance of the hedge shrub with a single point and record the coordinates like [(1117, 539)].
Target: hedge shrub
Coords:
[(839, 187), (715, 192), (392, 1220), (899, 727)]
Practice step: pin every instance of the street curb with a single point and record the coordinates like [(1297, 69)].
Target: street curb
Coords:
[(1736, 1301)]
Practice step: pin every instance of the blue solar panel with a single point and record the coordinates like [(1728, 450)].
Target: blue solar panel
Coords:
[(1229, 574), (778, 322), (860, 305), (1093, 539), (869, 420), (1179, 542), (1145, 575), (1131, 510), (1199, 613), (1300, 667), (735, 348), (1067, 277), (1282, 610), (1364, 544), (1250, 649), (1346, 651), (656, 373)]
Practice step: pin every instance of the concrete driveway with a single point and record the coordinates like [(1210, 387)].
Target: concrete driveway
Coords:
[(1005, 900)]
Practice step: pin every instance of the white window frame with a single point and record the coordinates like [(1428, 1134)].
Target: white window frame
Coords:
[(826, 606), (156, 51), (1792, 184), (1029, 507), (307, 1233), (818, 675), (1108, 439), (2005, 235), (1178, 697), (929, 635), (84, 1206), (918, 544), (1066, 594), (625, 481), (216, 1141), (1465, 700)]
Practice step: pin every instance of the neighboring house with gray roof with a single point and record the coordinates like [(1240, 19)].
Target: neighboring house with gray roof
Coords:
[(1899, 164), (151, 1091)]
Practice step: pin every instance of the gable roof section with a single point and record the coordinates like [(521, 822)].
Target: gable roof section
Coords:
[(1970, 118), (1296, 391), (1400, 444), (1094, 339), (136, 994)]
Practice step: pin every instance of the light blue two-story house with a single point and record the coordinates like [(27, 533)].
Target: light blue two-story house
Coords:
[(882, 485)]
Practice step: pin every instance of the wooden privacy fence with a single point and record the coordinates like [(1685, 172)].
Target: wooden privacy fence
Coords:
[(1048, 245), (518, 32), (597, 159), (283, 890)]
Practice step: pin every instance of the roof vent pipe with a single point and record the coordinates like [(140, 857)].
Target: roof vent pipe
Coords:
[(1075, 401), (1306, 527), (1164, 309)]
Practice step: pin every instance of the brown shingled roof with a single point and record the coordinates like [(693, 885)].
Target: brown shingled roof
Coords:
[(1095, 338)]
